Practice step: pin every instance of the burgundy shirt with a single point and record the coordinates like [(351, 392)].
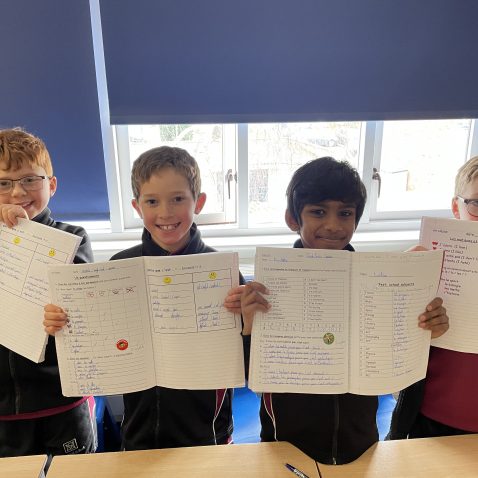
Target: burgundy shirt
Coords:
[(451, 389)]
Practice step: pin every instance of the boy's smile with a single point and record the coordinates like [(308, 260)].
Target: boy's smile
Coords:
[(327, 225), (167, 207), (33, 202)]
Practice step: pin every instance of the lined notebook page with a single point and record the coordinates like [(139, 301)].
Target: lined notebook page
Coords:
[(301, 344), (458, 285), (106, 348), (388, 351), (197, 342), (25, 252)]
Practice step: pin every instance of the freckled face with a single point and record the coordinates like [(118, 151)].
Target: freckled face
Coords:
[(167, 207), (327, 225), (459, 207), (33, 202)]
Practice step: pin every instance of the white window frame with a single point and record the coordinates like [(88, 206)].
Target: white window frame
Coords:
[(373, 161), (235, 144), (131, 220)]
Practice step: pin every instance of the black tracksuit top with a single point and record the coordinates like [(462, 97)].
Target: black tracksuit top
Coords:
[(26, 386)]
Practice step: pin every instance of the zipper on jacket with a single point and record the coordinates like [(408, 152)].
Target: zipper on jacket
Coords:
[(15, 383), (335, 437)]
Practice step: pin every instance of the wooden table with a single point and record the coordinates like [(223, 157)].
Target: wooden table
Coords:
[(256, 460), (443, 457), (22, 466)]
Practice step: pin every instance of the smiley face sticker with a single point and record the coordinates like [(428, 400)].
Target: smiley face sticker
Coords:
[(52, 253), (122, 344), (167, 280), (328, 338), (16, 240), (213, 275)]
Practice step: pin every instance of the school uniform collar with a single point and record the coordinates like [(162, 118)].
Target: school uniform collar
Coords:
[(44, 218), (150, 248)]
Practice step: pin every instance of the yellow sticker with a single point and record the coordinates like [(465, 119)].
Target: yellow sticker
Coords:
[(16, 240), (212, 275), (167, 280), (51, 252)]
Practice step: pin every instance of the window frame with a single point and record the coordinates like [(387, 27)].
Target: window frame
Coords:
[(131, 221), (235, 147)]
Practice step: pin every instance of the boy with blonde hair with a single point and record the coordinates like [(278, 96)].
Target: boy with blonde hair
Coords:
[(444, 403), (35, 418), (167, 193)]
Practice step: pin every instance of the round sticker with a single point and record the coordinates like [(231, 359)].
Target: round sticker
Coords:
[(328, 338), (51, 252), (16, 240), (167, 280), (122, 344), (213, 275)]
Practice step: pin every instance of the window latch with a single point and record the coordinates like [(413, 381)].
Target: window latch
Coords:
[(376, 177), (229, 178)]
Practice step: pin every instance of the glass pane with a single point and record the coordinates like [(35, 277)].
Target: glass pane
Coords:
[(203, 142), (419, 161), (277, 150)]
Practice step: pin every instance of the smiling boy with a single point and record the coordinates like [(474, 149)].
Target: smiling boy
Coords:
[(167, 194), (325, 201)]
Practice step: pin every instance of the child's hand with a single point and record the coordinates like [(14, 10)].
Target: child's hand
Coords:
[(252, 301), (233, 300), (434, 318), (55, 319), (9, 214)]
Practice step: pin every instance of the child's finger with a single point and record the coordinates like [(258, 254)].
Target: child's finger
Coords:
[(11, 214), (434, 304), (53, 308), (256, 286)]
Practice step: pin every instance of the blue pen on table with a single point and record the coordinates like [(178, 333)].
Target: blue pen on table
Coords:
[(296, 471)]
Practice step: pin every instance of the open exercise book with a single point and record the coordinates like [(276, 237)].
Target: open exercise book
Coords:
[(459, 280), (147, 321), (25, 252), (340, 321)]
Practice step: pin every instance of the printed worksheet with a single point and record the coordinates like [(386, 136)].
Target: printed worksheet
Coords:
[(340, 321), (459, 240), (147, 321), (25, 252)]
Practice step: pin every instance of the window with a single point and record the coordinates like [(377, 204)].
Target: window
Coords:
[(407, 166), (416, 166), (213, 147), (278, 149)]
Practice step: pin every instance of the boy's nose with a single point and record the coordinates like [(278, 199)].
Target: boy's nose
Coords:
[(333, 224), (164, 210)]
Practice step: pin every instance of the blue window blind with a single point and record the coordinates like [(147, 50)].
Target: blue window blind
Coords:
[(175, 61), (48, 87)]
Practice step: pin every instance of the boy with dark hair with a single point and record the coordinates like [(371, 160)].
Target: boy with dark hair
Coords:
[(167, 193), (444, 403), (35, 418), (325, 200)]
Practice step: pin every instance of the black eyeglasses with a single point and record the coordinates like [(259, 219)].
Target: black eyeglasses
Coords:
[(29, 183), (471, 205)]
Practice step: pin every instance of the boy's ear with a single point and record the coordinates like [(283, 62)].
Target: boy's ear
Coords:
[(291, 222), (53, 185), (137, 208), (200, 201), (454, 208)]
